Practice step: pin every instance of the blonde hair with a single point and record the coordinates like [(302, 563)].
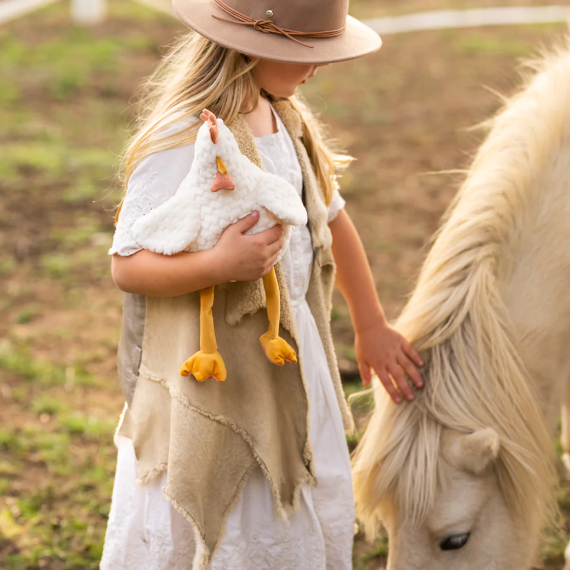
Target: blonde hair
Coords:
[(457, 316), (197, 74)]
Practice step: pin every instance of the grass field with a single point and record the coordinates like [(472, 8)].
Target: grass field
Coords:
[(64, 114)]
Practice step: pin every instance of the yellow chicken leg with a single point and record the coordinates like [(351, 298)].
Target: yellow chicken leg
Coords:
[(276, 349), (207, 362)]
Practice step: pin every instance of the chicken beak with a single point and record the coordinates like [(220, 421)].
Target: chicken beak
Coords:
[(221, 166), (222, 180)]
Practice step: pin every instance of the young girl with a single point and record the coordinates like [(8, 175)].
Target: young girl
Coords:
[(253, 473)]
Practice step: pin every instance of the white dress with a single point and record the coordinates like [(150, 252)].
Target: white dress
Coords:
[(144, 532)]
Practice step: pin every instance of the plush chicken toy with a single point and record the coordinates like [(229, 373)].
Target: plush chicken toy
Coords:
[(222, 187)]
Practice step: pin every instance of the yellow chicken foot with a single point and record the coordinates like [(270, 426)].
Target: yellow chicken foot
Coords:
[(207, 362), (276, 349)]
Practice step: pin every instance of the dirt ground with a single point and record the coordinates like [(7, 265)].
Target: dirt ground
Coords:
[(404, 114)]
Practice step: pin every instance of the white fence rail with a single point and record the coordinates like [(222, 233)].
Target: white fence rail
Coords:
[(82, 11), (12, 9), (94, 11), (88, 11), (470, 19)]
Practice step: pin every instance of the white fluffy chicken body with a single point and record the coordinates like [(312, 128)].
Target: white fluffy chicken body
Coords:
[(197, 215)]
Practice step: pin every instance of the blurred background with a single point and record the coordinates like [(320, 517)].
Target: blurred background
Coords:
[(67, 78)]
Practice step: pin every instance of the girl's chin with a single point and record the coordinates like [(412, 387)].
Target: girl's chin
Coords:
[(284, 92)]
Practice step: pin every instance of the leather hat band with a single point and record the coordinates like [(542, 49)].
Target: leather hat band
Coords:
[(269, 27)]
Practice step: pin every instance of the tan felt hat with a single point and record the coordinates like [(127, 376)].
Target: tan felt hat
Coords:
[(292, 31)]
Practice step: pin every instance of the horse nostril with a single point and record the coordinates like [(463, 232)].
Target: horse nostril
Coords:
[(454, 541)]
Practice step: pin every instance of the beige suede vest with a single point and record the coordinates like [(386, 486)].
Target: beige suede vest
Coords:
[(210, 436)]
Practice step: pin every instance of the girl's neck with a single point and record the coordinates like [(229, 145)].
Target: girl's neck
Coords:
[(261, 120)]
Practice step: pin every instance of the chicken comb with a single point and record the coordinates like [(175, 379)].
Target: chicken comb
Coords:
[(210, 118)]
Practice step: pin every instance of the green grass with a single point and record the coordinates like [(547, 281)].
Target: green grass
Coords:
[(64, 111), (345, 350), (88, 426), (31, 158), (56, 265), (17, 360), (63, 95), (45, 404), (55, 161), (27, 314), (83, 189), (63, 519), (482, 44), (7, 265), (68, 64)]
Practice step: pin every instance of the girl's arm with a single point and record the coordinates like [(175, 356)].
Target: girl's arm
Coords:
[(377, 344), (235, 257)]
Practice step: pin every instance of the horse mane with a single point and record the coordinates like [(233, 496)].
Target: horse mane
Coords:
[(457, 318)]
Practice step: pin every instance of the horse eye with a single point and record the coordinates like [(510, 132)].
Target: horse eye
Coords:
[(454, 541)]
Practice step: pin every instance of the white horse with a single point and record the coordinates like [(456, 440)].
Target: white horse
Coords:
[(463, 478)]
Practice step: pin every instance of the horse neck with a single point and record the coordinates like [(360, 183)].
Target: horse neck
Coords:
[(535, 286)]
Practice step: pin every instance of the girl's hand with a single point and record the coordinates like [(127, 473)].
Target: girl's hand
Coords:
[(247, 257), (383, 349)]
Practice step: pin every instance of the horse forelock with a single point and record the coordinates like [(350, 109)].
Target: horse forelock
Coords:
[(457, 318)]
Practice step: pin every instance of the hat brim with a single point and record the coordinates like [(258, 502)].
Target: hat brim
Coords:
[(356, 41)]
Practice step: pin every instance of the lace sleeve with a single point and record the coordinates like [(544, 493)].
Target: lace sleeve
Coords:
[(154, 180), (336, 205)]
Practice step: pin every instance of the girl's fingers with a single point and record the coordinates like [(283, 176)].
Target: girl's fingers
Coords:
[(410, 370), (390, 388), (275, 247), (365, 374), (273, 235), (241, 226), (271, 263), (412, 353), (400, 378)]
